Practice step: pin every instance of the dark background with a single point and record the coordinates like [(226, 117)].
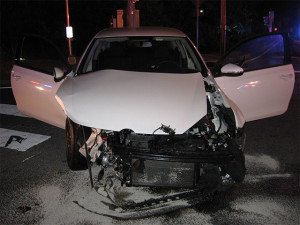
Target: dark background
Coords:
[(48, 18)]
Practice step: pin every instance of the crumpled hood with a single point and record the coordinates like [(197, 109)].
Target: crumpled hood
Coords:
[(116, 100)]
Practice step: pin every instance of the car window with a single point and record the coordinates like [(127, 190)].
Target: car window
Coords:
[(144, 54), (39, 54), (266, 51)]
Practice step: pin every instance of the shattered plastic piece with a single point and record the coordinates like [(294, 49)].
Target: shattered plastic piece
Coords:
[(93, 143)]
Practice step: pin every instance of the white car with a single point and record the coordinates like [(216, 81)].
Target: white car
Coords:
[(144, 102)]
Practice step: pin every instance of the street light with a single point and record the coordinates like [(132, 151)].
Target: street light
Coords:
[(69, 34)]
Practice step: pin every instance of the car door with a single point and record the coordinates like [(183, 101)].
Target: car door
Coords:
[(266, 86), (32, 79)]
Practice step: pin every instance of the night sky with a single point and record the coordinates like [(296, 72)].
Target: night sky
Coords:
[(48, 18)]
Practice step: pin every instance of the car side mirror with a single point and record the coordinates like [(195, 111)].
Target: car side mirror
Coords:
[(59, 74), (232, 70)]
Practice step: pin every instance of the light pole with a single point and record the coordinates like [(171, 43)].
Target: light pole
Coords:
[(69, 33)]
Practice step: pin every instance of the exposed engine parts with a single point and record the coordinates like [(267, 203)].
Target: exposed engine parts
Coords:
[(206, 153)]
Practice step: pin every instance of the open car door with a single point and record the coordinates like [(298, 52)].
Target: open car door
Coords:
[(264, 84), (32, 79)]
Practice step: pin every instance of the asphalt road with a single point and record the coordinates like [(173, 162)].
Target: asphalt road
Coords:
[(38, 188)]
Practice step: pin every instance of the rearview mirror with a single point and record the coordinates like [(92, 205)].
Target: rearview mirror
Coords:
[(232, 70)]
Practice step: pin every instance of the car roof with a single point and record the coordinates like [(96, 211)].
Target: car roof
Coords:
[(141, 31)]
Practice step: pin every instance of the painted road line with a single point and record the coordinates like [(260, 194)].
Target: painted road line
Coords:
[(20, 141), (10, 110), (30, 157)]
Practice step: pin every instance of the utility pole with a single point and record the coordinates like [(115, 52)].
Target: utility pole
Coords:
[(223, 27), (68, 25), (69, 32)]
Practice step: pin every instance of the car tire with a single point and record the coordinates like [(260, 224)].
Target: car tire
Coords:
[(74, 140)]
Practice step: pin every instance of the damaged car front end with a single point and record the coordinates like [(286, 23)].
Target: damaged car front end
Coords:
[(209, 153), (148, 107)]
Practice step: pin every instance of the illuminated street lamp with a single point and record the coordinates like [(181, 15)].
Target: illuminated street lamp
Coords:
[(69, 34)]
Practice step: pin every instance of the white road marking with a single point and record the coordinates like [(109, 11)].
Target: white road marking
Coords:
[(29, 157), (10, 110), (30, 141)]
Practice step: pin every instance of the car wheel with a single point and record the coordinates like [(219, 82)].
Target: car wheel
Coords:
[(74, 140)]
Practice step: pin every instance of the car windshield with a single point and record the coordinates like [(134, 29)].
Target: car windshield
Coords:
[(143, 54)]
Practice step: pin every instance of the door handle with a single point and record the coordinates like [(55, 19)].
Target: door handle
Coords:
[(16, 76), (286, 76)]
